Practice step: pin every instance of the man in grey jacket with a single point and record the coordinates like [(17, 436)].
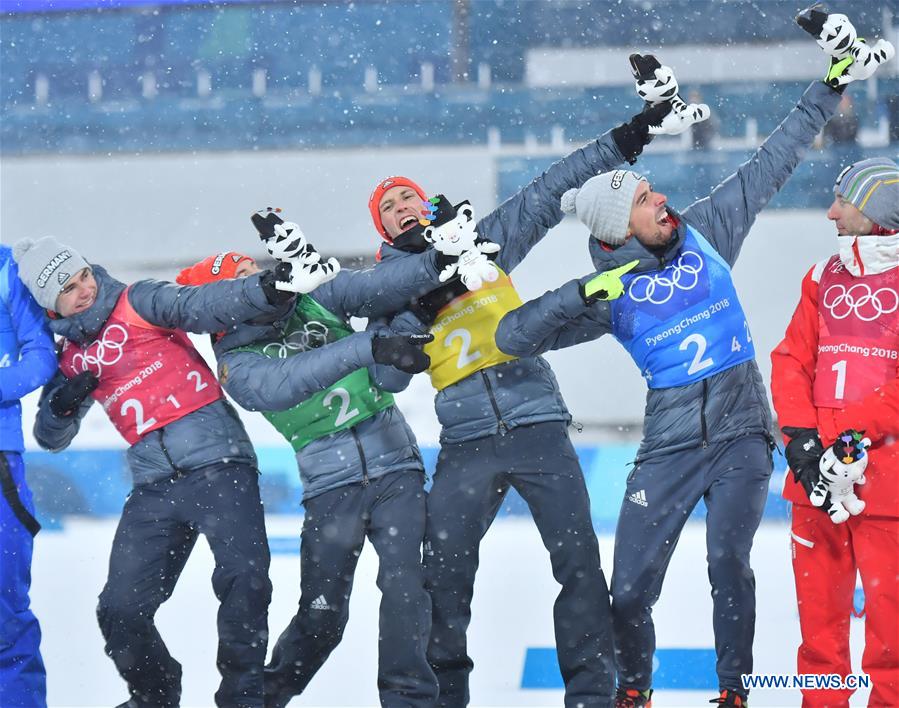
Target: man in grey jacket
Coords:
[(360, 466), (193, 467), (666, 294), (504, 424)]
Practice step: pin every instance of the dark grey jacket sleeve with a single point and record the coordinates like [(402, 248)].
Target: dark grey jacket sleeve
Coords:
[(387, 377), (555, 320), (260, 383), (52, 432), (216, 307), (380, 290), (726, 215), (522, 220)]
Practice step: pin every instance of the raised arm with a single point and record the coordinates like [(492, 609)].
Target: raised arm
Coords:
[(37, 358), (726, 215), (216, 307), (54, 432), (381, 290), (260, 383), (521, 221), (556, 320)]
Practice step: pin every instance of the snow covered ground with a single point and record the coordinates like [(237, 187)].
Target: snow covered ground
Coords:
[(512, 613)]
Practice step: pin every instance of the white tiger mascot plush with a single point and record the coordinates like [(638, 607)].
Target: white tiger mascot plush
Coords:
[(453, 234), (842, 466)]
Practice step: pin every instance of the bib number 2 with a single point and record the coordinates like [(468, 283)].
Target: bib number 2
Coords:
[(698, 364), (466, 356), (344, 413)]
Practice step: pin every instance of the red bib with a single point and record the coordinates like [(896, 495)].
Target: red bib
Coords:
[(858, 340), (149, 375)]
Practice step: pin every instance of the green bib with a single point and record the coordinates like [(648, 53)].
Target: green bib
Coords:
[(342, 405)]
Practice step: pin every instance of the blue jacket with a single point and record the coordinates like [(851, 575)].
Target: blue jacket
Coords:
[(374, 447), (27, 356), (728, 404), (523, 391), (207, 436)]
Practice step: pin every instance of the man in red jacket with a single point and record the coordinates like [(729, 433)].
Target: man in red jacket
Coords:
[(837, 369)]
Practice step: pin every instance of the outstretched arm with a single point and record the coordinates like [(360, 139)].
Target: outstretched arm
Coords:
[(555, 320), (726, 215), (216, 307), (260, 383), (521, 221), (381, 290)]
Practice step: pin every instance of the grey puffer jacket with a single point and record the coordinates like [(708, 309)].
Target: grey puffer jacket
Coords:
[(209, 435), (374, 447), (731, 403), (524, 391)]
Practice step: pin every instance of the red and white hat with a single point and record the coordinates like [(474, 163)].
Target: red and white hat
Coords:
[(222, 266)]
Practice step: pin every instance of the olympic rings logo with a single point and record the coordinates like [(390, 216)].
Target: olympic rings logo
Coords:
[(105, 351), (860, 301), (313, 335), (659, 289)]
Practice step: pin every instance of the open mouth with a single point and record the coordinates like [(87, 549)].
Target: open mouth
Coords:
[(662, 219), (407, 222)]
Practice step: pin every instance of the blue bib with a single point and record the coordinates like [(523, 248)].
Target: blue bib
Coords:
[(684, 323)]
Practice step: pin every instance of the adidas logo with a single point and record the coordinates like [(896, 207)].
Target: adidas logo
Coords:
[(320, 603), (639, 498)]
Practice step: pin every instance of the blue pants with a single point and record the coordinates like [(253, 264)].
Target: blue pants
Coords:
[(159, 526), (470, 483), (23, 681), (390, 511), (661, 493)]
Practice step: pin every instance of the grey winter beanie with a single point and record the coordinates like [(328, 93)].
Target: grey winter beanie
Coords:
[(45, 266), (603, 204), (872, 186)]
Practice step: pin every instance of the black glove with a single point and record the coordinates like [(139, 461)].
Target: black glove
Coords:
[(632, 137), (402, 352), (281, 272), (66, 399), (803, 454)]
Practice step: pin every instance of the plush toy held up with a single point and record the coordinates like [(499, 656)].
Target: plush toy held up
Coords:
[(842, 466), (452, 233)]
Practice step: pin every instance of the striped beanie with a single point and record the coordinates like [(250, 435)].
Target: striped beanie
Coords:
[(872, 187)]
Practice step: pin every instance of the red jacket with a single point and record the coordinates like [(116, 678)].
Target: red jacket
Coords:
[(876, 412)]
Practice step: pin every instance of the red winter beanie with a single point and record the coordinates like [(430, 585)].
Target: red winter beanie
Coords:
[(222, 266), (374, 201)]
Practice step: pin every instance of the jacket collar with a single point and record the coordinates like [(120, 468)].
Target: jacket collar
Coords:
[(84, 327), (869, 255)]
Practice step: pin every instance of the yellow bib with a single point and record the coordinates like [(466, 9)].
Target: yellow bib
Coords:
[(465, 332)]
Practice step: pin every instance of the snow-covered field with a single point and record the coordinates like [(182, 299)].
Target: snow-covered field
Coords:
[(512, 613)]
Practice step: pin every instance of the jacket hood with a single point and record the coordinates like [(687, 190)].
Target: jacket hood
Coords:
[(869, 255), (84, 327), (605, 258)]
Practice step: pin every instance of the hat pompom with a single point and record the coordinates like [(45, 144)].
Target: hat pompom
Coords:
[(568, 201), (21, 247)]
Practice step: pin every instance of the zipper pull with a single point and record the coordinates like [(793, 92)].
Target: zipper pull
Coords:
[(365, 480), (579, 427), (503, 428)]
